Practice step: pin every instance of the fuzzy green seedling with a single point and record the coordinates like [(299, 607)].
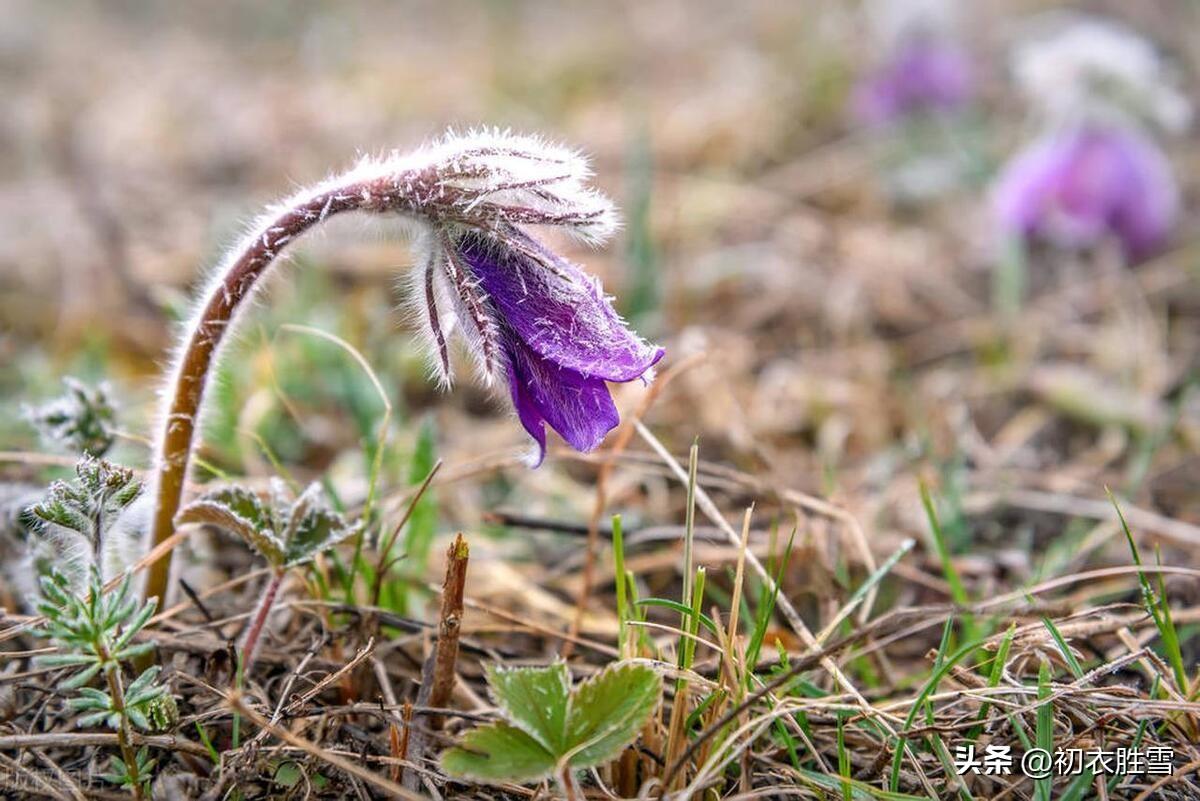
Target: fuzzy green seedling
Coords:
[(81, 420), (94, 633), (287, 533)]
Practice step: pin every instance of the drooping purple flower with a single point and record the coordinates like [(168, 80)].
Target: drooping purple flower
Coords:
[(559, 336), (923, 73), (532, 320), (1076, 187)]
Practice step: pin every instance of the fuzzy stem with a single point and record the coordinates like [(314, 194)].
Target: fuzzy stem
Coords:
[(112, 675), (380, 193), (254, 631)]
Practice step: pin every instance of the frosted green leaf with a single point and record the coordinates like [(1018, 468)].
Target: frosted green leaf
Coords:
[(313, 527), (82, 419), (285, 534), (496, 753), (534, 700), (608, 710), (91, 502), (239, 512)]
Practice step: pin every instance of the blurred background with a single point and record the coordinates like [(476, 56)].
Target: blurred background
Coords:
[(832, 253)]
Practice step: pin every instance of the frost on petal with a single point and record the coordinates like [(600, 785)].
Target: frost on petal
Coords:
[(1077, 187), (578, 407), (560, 312)]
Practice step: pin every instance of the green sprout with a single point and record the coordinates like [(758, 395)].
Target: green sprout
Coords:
[(96, 632), (287, 533)]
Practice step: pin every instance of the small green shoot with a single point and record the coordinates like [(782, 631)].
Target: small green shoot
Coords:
[(1063, 648), (1044, 733), (81, 420), (1156, 604), (95, 633)]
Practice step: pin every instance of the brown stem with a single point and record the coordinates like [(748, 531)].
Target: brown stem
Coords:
[(445, 655), (254, 631), (440, 670), (399, 192)]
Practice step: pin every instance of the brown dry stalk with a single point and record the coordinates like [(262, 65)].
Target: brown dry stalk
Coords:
[(400, 746), (445, 655), (440, 672)]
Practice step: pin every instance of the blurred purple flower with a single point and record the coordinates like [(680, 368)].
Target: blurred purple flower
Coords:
[(554, 333), (1075, 187), (923, 73)]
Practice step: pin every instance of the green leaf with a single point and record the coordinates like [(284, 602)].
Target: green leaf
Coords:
[(240, 512), (81, 678), (285, 534), (534, 700), (686, 611), (313, 527), (608, 711), (498, 753)]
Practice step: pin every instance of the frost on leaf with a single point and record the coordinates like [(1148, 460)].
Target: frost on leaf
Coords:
[(82, 419), (91, 503), (285, 532)]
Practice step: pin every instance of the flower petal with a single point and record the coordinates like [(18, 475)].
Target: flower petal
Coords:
[(578, 407), (1075, 187), (924, 74), (560, 312)]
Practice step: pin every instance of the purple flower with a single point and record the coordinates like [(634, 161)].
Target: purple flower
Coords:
[(557, 334), (923, 73), (1076, 187), (532, 320)]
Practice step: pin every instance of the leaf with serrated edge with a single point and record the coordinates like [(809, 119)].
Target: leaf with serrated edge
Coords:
[(498, 753), (241, 513), (534, 700), (608, 710), (315, 530)]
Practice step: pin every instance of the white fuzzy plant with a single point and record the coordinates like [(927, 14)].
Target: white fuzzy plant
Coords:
[(94, 521), (483, 183)]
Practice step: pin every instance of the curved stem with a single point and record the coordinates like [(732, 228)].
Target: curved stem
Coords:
[(234, 286), (254, 631)]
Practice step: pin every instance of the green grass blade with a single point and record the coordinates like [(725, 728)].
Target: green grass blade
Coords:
[(685, 611), (1044, 733), (957, 591), (1063, 648), (998, 662), (619, 580)]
